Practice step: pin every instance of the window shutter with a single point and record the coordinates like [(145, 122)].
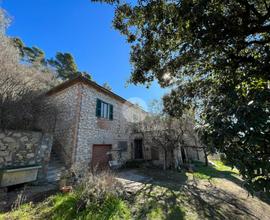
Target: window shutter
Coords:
[(111, 112), (98, 108)]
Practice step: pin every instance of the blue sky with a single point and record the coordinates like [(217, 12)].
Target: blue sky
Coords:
[(84, 29)]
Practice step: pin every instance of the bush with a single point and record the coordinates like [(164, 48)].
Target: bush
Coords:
[(224, 159), (96, 196)]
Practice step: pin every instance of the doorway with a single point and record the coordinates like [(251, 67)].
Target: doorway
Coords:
[(138, 149), (100, 157)]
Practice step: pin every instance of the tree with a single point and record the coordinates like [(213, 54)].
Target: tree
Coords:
[(162, 134), (168, 135), (20, 84), (107, 86), (64, 65), (32, 55), (216, 56)]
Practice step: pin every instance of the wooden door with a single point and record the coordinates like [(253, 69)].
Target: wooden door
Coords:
[(100, 157)]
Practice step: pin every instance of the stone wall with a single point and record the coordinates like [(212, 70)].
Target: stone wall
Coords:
[(93, 130), (61, 121), (25, 148)]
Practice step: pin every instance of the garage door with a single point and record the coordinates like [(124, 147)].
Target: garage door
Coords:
[(100, 158)]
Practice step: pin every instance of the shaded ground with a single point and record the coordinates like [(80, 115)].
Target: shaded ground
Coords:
[(213, 192), (208, 193), (26, 193)]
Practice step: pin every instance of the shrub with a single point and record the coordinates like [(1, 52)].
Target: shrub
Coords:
[(95, 196)]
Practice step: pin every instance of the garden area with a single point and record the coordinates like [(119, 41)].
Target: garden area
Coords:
[(213, 192)]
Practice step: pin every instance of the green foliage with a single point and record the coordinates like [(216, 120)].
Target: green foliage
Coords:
[(32, 55), (216, 56), (65, 65), (98, 196)]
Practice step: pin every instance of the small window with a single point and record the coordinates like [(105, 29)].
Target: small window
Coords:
[(104, 110)]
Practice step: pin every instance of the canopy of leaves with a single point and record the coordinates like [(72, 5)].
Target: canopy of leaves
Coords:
[(63, 65), (216, 56)]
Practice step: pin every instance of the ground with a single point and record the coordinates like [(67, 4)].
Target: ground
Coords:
[(213, 192)]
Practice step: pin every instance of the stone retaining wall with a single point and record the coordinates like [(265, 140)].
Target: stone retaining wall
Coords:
[(25, 148)]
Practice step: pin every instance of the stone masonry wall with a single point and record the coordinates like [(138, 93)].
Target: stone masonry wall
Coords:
[(93, 130), (63, 124), (25, 148)]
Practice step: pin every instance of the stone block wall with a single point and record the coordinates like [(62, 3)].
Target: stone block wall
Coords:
[(62, 121), (25, 148), (93, 130)]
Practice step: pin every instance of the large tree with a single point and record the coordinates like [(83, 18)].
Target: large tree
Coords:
[(65, 65), (215, 55), (32, 55)]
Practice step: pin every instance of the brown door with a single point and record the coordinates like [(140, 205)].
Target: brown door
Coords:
[(100, 157)]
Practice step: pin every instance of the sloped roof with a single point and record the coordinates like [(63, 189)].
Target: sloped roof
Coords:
[(92, 84)]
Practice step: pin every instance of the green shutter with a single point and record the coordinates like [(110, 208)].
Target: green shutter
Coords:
[(111, 112), (98, 108)]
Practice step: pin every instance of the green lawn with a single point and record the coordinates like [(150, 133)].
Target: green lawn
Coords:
[(217, 170)]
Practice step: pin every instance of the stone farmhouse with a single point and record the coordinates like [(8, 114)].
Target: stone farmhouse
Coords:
[(91, 126)]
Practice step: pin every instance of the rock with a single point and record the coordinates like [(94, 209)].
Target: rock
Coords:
[(3, 153), (2, 160), (19, 156), (17, 135), (13, 146), (9, 140), (2, 135), (24, 139), (31, 155), (29, 146), (3, 147), (8, 158), (43, 147), (32, 162)]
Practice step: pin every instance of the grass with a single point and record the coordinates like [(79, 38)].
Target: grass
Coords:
[(216, 170), (65, 206), (171, 195)]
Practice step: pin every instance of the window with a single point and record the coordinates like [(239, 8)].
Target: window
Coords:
[(104, 110)]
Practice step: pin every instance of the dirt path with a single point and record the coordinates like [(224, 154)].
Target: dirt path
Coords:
[(201, 199)]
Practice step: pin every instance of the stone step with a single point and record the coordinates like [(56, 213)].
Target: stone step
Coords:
[(56, 168)]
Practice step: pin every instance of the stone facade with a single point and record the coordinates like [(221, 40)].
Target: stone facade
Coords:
[(77, 128), (61, 121), (25, 148), (93, 130)]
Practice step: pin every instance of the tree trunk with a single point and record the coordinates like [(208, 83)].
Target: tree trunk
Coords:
[(205, 157)]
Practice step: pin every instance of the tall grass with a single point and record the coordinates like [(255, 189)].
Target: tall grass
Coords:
[(95, 196)]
